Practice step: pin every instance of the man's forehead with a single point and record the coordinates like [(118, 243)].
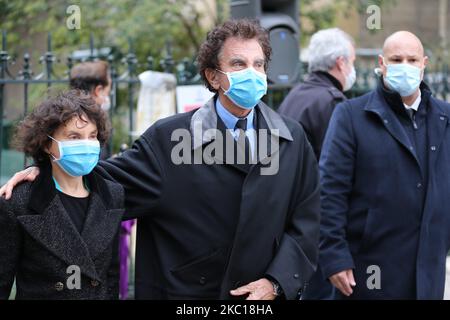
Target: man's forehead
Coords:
[(403, 43), (242, 48), (403, 50)]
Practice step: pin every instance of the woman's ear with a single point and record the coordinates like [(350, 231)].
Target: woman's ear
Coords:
[(98, 90), (213, 78), (48, 146)]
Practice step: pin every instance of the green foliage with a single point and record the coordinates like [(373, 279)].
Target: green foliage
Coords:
[(149, 24), (314, 17), (146, 25)]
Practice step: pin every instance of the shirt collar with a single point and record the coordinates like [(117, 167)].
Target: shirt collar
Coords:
[(230, 119), (416, 103)]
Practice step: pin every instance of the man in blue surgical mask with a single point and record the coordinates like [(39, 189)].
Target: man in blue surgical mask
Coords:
[(403, 68), (385, 176), (211, 227)]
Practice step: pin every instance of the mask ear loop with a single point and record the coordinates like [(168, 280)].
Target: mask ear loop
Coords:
[(229, 80), (59, 148), (384, 62)]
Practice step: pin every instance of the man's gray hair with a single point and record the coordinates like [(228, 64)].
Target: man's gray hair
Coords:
[(326, 46)]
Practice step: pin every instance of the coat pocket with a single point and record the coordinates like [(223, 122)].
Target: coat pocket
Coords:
[(367, 235), (204, 271)]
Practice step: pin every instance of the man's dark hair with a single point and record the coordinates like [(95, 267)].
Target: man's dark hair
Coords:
[(87, 76), (208, 55), (32, 132)]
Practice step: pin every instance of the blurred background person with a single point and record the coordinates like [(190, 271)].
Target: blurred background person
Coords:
[(331, 57), (331, 71), (93, 77)]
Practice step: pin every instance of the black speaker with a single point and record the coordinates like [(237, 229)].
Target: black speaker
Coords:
[(281, 19)]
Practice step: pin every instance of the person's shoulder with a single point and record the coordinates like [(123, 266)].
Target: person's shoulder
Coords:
[(290, 123), (19, 198), (306, 94), (167, 125), (113, 186), (356, 104), (443, 104), (294, 127), (116, 191), (180, 120)]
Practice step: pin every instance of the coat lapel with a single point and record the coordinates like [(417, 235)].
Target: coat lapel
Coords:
[(53, 229), (49, 223), (100, 227), (205, 119)]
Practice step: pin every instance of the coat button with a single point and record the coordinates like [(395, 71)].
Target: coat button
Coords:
[(296, 276), (419, 185), (433, 148), (386, 121), (94, 283), (59, 286), (442, 118), (202, 280)]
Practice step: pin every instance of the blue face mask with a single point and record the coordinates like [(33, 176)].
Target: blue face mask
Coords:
[(77, 157), (247, 87), (403, 78)]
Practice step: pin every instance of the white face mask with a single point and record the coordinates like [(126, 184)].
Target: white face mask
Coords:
[(106, 105), (350, 79)]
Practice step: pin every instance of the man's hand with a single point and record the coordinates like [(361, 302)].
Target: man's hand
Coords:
[(28, 174), (344, 281), (257, 290)]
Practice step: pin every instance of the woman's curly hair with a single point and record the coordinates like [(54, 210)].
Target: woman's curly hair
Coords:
[(208, 55), (33, 131)]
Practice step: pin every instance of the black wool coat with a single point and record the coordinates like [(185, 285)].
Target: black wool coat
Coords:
[(40, 246)]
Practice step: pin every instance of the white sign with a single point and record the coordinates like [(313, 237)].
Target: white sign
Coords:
[(156, 99), (192, 97)]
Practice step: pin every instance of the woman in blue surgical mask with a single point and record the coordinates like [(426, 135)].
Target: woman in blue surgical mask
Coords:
[(59, 234)]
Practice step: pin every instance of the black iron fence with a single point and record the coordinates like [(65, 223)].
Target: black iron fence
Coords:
[(124, 70), (123, 73)]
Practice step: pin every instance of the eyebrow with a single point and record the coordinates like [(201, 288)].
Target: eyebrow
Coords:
[(242, 60), (400, 56), (79, 134), (236, 59), (72, 132)]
